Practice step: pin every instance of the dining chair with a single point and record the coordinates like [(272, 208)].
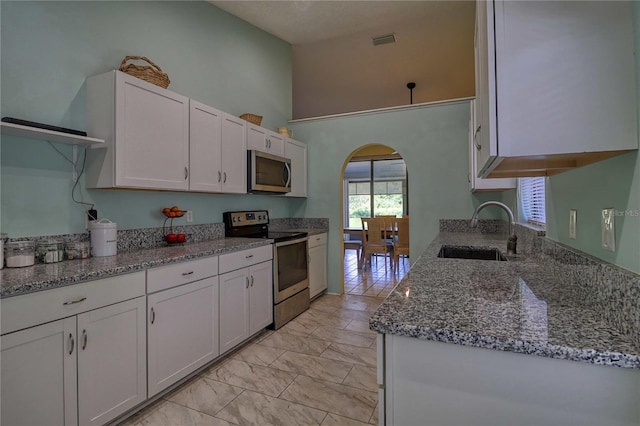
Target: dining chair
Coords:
[(375, 239), (400, 239)]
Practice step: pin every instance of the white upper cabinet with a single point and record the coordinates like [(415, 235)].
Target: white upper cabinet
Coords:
[(555, 85), (217, 151), (297, 153), (264, 140), (476, 183), (146, 133)]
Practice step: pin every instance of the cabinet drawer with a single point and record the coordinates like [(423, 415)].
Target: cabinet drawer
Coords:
[(33, 309), (242, 259), (164, 277), (317, 240)]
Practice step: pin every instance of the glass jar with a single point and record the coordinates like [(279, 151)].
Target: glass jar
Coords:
[(78, 250), (50, 251), (19, 253)]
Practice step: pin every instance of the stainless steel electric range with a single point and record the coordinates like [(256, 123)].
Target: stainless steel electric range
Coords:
[(290, 262)]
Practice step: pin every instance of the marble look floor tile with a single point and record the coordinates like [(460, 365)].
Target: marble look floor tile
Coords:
[(336, 420), (374, 417), (313, 366), (265, 334), (343, 336), (323, 308), (328, 320), (300, 326), (329, 299), (253, 408), (258, 354), (206, 395), (332, 397), (290, 342), (348, 353), (170, 413), (362, 377), (261, 379), (352, 314), (360, 326)]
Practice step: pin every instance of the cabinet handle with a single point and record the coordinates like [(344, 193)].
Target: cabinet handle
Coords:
[(249, 256), (184, 274), (469, 177), (84, 339), (225, 177), (475, 139), (72, 343), (219, 176), (247, 278), (251, 280), (73, 302), (186, 173), (153, 315), (318, 239)]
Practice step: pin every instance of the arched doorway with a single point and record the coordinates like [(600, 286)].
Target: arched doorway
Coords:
[(374, 183)]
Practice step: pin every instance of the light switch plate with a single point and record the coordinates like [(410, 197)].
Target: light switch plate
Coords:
[(573, 219), (609, 229)]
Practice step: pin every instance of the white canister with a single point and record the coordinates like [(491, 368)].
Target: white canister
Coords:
[(104, 238)]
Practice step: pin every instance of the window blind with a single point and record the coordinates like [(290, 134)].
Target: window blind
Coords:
[(531, 192)]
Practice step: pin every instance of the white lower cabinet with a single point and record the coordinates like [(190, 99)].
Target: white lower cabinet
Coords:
[(246, 296), (111, 347), (182, 331), (317, 264), (86, 369), (39, 375)]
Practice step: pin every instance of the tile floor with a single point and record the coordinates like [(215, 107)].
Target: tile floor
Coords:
[(375, 279), (319, 369)]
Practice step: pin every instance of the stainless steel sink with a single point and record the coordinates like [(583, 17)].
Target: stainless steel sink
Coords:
[(470, 252)]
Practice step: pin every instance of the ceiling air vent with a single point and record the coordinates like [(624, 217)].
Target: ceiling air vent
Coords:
[(385, 39)]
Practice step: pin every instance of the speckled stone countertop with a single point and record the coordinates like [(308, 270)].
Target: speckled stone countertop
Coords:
[(17, 281), (520, 306)]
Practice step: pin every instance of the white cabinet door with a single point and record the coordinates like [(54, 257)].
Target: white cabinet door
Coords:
[(38, 378), (297, 153), (234, 155), (234, 308), (264, 140), (260, 296), (182, 331), (112, 366), (317, 269), (146, 133), (205, 148), (476, 183)]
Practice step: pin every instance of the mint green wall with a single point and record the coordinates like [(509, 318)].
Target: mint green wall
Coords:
[(49, 48), (433, 141), (611, 183)]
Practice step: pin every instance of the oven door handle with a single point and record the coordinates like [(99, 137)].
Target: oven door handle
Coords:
[(287, 243)]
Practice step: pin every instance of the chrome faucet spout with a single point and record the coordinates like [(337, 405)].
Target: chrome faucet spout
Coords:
[(513, 240)]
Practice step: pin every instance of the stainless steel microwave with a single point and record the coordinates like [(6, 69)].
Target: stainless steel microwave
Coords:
[(268, 173)]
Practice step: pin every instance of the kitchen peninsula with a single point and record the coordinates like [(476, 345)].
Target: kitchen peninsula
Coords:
[(471, 342)]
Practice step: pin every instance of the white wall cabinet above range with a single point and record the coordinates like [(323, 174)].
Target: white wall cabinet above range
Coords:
[(555, 85), (264, 140), (476, 183), (146, 133), (74, 355), (297, 152), (217, 149)]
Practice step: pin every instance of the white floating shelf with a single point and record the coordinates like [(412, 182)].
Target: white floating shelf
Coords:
[(48, 135)]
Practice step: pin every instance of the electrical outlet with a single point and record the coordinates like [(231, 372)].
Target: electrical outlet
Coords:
[(609, 229), (270, 212), (189, 216), (573, 218)]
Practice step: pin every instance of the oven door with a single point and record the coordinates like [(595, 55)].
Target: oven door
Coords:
[(291, 268)]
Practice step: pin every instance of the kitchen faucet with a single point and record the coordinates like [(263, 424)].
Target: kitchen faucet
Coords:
[(513, 240)]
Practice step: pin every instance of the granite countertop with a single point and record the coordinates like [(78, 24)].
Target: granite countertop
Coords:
[(518, 306), (17, 281)]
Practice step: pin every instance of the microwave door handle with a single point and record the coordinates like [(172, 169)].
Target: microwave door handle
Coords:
[(287, 167)]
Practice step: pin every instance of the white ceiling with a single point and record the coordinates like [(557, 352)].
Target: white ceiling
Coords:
[(310, 21)]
